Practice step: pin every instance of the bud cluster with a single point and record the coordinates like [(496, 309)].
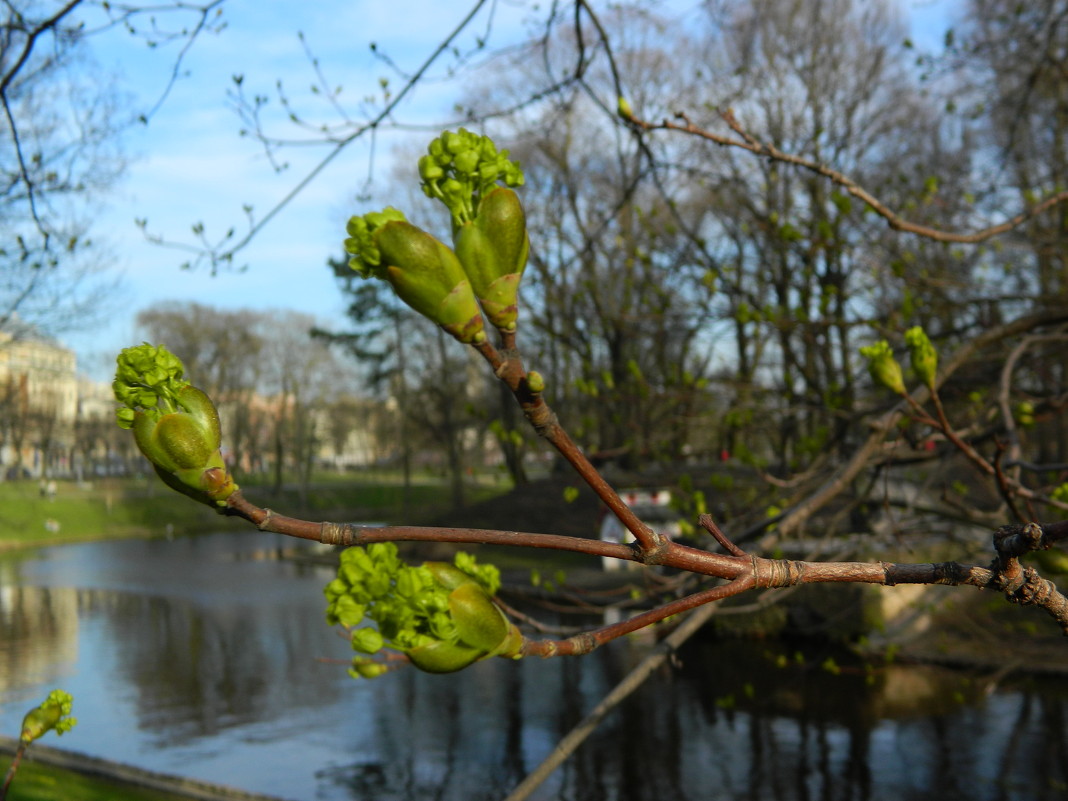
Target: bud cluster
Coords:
[(441, 616), (52, 714), (883, 367), (175, 425), (465, 172)]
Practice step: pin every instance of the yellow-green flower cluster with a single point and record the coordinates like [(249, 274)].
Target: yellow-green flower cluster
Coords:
[(149, 378), (52, 714), (441, 616), (460, 168)]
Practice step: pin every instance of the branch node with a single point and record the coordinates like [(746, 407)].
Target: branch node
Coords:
[(335, 533), (542, 419), (582, 643), (888, 578), (1033, 590), (1016, 539), (777, 573), (265, 524)]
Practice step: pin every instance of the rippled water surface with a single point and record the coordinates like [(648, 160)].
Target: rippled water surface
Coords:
[(203, 656)]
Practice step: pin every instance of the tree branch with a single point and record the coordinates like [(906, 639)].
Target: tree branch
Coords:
[(743, 572), (508, 367), (754, 145), (795, 519)]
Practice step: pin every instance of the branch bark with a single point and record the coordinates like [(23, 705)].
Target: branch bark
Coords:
[(742, 571)]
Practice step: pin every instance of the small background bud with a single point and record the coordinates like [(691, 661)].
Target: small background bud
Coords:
[(924, 357), (883, 366)]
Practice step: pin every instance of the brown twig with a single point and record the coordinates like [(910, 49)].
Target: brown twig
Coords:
[(742, 572), (587, 641), (754, 145), (708, 524), (508, 367), (13, 769)]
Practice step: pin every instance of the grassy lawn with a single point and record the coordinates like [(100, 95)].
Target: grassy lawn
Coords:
[(117, 508)]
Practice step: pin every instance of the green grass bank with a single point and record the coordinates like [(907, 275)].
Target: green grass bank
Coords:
[(37, 782), (53, 774), (145, 507)]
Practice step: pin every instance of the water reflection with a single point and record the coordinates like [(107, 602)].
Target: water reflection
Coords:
[(199, 656), (38, 633)]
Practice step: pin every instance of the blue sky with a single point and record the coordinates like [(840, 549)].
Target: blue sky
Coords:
[(189, 164)]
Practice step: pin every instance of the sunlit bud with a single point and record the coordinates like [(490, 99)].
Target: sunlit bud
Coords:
[(423, 271), (924, 356), (441, 616), (623, 108), (479, 622), (883, 366), (52, 714), (493, 250), (175, 425), (367, 640), (535, 382), (444, 657)]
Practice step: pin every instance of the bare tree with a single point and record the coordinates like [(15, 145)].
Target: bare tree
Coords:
[(60, 146)]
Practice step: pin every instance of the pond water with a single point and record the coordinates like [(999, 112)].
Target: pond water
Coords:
[(203, 656)]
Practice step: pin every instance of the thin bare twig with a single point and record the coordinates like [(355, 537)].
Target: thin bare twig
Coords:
[(508, 367), (748, 141), (632, 681), (227, 255)]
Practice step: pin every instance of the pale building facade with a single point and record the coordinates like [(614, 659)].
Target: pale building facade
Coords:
[(38, 402), (57, 424)]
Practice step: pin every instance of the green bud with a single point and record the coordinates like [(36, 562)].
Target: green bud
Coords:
[(367, 640), (444, 657), (346, 610), (479, 622), (423, 271), (175, 425), (535, 382), (883, 366), (448, 576), (1024, 414), (367, 668), (493, 250), (52, 714), (623, 108), (442, 616), (924, 356)]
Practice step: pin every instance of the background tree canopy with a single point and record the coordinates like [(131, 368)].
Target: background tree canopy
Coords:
[(796, 181)]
